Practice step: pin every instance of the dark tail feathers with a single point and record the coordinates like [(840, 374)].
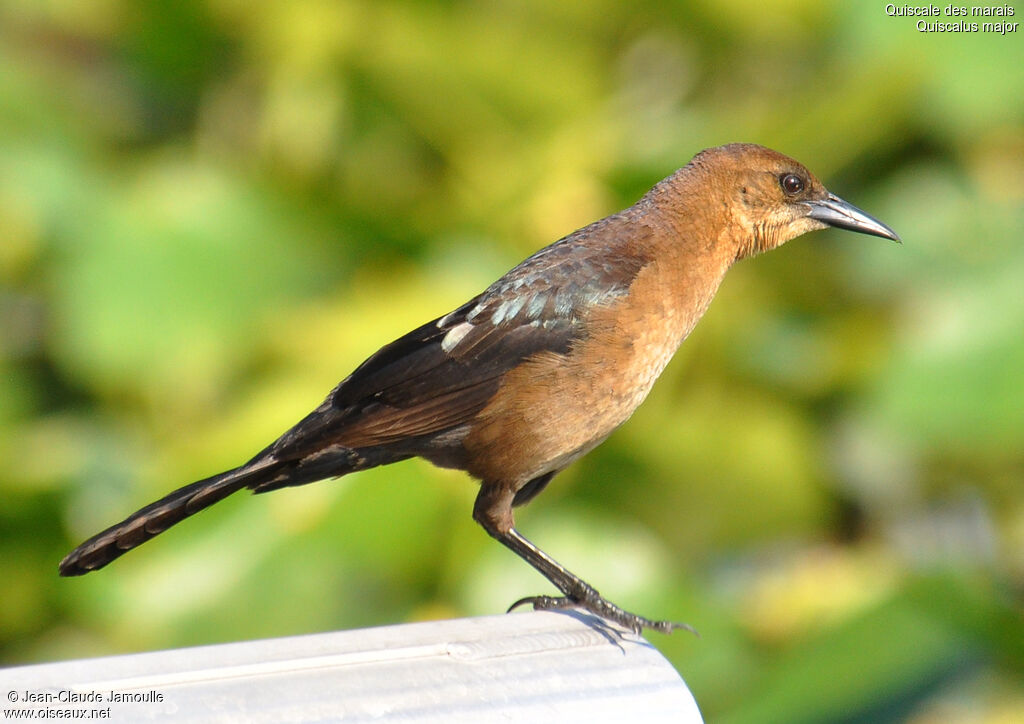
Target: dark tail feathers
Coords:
[(157, 517)]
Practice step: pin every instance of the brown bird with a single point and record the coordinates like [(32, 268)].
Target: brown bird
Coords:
[(542, 366)]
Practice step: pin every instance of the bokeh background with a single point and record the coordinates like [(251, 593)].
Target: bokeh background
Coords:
[(212, 210)]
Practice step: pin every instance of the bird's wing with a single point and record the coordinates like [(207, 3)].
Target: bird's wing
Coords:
[(440, 375)]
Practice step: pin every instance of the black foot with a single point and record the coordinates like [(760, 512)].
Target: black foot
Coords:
[(592, 602)]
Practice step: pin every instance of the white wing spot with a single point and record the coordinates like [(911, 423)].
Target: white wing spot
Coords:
[(508, 310), (475, 311), (455, 335), (444, 320)]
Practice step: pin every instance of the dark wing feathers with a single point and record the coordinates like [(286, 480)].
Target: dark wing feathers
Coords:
[(408, 358), (443, 373)]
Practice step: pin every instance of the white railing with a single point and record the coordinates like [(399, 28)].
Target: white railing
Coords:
[(524, 667)]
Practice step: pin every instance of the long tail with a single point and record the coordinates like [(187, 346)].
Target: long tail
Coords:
[(157, 517)]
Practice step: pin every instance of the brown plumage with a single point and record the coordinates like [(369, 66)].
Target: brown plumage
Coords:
[(543, 365)]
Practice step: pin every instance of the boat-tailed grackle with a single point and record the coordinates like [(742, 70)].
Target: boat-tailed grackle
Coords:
[(542, 366)]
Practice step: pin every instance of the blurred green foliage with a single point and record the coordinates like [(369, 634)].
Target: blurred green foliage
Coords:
[(211, 211)]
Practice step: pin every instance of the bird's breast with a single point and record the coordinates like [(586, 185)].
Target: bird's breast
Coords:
[(553, 408)]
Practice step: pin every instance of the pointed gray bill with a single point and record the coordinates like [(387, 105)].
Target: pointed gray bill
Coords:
[(843, 215)]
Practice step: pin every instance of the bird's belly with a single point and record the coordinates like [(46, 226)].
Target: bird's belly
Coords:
[(583, 422), (553, 409)]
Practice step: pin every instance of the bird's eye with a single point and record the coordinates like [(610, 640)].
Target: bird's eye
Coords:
[(791, 183)]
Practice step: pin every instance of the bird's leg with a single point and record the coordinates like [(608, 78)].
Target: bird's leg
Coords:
[(577, 592)]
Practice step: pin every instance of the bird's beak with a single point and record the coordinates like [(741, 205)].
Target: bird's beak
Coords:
[(843, 215)]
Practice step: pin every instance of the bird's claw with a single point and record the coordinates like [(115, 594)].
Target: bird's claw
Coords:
[(602, 608)]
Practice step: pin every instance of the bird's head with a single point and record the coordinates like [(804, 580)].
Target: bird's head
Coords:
[(772, 198)]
